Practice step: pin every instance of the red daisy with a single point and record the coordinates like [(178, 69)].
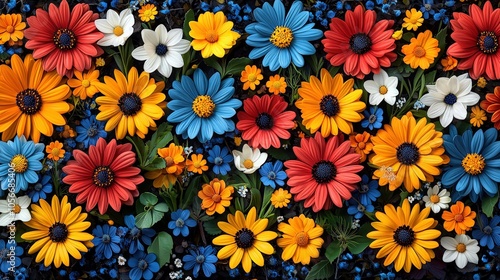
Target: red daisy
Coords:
[(476, 41), (324, 172), (361, 43), (64, 40), (264, 121), (105, 177), (492, 105)]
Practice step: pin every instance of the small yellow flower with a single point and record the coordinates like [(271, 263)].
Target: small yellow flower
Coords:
[(477, 116), (398, 34), (422, 51), (413, 19), (55, 150), (251, 77), (83, 84), (100, 62), (197, 164), (148, 13), (449, 63), (280, 198), (215, 196), (11, 28), (481, 82), (237, 141), (68, 132), (276, 84)]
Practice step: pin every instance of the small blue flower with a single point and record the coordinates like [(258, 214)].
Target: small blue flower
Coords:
[(204, 258), (41, 188), (488, 234), (373, 118), (106, 241), (368, 191), (221, 159), (181, 222), (358, 210), (135, 235), (89, 131), (272, 174), (142, 266), (6, 254)]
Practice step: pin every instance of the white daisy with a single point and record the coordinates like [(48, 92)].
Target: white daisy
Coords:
[(436, 199), (14, 209), (449, 98), (249, 160), (382, 87), (461, 249), (116, 28), (162, 50)]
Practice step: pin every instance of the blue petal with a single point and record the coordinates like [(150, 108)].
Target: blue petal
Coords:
[(187, 97), (477, 142), (491, 150), (183, 126), (260, 52), (224, 111), (200, 82), (308, 33), (284, 57), (303, 47), (221, 96), (214, 84), (295, 19), (180, 115), (194, 128)]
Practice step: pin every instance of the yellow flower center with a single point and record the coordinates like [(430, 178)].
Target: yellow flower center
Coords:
[(282, 37), (252, 77), (17, 209), (197, 164), (212, 36), (435, 198), (277, 85), (280, 198), (203, 106), (302, 239), (361, 145), (118, 30), (10, 29), (383, 90), (459, 218), (419, 52), (461, 247), (473, 164), (148, 13), (248, 163), (20, 163), (216, 198), (85, 83)]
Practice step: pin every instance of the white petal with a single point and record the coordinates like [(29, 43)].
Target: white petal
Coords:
[(24, 201), (392, 82), (152, 63), (165, 69), (465, 87), (449, 256), (162, 34), (459, 111), (174, 59), (436, 110), (103, 26), (113, 18), (24, 215), (375, 99), (461, 260), (471, 257), (453, 85), (174, 37), (149, 36), (372, 87), (449, 243), (181, 47), (470, 99), (6, 219), (462, 238), (140, 53), (443, 86), (431, 98), (447, 117), (390, 99)]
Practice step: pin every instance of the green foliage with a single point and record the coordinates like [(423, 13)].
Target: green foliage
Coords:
[(236, 65), (153, 211), (211, 227), (322, 270), (488, 204), (162, 247), (185, 27), (334, 250)]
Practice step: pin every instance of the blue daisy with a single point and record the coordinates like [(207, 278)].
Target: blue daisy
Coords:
[(202, 106), (143, 266), (25, 158), (373, 118), (474, 167), (204, 258), (106, 241), (42, 187), (281, 39), (221, 159), (272, 175), (89, 131), (487, 233), (181, 222)]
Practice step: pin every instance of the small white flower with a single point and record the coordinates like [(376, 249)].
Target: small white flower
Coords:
[(437, 199), (116, 28), (242, 191), (411, 199), (280, 219), (162, 50), (449, 98), (355, 224), (14, 209), (173, 275), (122, 260), (381, 88), (249, 160), (401, 102), (461, 249), (178, 263), (188, 278)]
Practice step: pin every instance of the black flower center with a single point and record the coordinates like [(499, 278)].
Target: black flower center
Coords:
[(29, 101), (161, 49), (487, 230), (488, 42), (142, 264), (218, 161), (130, 104), (361, 208), (404, 236), (360, 43), (329, 105), (58, 232), (106, 238), (64, 39), (244, 238), (200, 259), (3, 253), (264, 121), (324, 171), (450, 99), (103, 176), (407, 153), (38, 187)]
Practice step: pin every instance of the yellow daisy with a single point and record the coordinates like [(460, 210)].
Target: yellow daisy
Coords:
[(196, 164), (55, 150), (276, 84), (413, 19), (280, 198), (147, 12), (11, 28), (421, 51), (251, 77), (83, 83)]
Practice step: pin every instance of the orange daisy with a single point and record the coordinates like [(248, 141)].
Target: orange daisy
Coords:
[(215, 196), (460, 218), (55, 150)]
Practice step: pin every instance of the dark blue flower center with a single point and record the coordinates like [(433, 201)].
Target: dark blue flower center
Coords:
[(487, 230), (264, 121), (103, 176), (130, 104), (106, 238), (29, 101), (142, 264), (404, 236), (372, 119), (218, 161), (179, 223), (92, 131), (407, 153), (324, 171), (361, 208), (329, 105), (360, 43), (200, 259), (364, 188), (38, 187), (450, 99), (244, 238), (271, 175), (64, 39), (58, 232), (161, 49), (3, 253), (135, 233), (487, 42)]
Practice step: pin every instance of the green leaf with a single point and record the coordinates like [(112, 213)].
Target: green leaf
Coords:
[(236, 65), (211, 227), (148, 199), (407, 36), (144, 219), (281, 154), (334, 250), (358, 245), (189, 16), (162, 247), (191, 192), (157, 163), (212, 62), (156, 216), (161, 207), (489, 204), (322, 270), (255, 199)]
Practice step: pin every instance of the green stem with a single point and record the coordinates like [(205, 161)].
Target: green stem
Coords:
[(55, 179)]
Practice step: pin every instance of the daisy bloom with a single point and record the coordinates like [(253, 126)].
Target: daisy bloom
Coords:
[(115, 27), (449, 98), (248, 160), (324, 173), (11, 28), (104, 177), (276, 84), (280, 198), (212, 34), (492, 105), (215, 196), (361, 43), (361, 144), (174, 166), (413, 19), (449, 63), (413, 150), (55, 150), (162, 50), (32, 100), (148, 12), (251, 77), (196, 164), (14, 210), (330, 105), (301, 239), (477, 116), (83, 83), (281, 39), (460, 218), (405, 236), (64, 39), (58, 232), (382, 88), (461, 249), (130, 105), (245, 240), (421, 51), (437, 199), (264, 121), (476, 41)]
